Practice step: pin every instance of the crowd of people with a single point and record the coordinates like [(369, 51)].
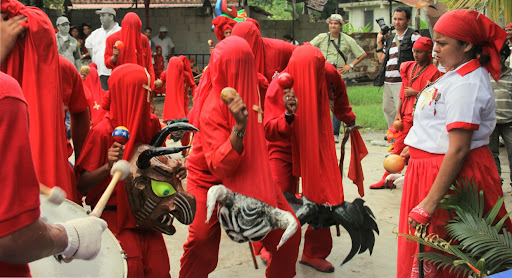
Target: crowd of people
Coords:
[(258, 142)]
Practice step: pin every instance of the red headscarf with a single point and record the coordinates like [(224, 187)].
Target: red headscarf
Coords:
[(313, 150), (473, 27), (130, 107), (92, 82), (232, 65), (34, 63), (424, 43), (221, 24)]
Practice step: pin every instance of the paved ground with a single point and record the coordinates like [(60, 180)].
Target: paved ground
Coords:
[(235, 259)]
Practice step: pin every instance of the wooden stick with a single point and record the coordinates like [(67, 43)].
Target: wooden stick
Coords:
[(100, 206), (251, 249)]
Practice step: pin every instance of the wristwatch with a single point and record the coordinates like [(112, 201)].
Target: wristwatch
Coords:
[(351, 65), (240, 134)]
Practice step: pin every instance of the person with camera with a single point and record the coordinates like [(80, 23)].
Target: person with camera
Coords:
[(335, 46), (392, 50)]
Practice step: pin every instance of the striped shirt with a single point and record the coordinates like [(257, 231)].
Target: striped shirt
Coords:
[(392, 67), (503, 97)]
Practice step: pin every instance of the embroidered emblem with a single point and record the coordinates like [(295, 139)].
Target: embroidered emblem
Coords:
[(429, 95)]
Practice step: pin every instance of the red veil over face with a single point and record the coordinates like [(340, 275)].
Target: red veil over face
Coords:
[(313, 150), (34, 63), (131, 37), (232, 65), (251, 33)]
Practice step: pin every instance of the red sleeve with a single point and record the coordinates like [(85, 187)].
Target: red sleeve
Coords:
[(95, 148), (109, 52), (404, 74), (20, 188), (276, 126), (221, 158), (338, 90)]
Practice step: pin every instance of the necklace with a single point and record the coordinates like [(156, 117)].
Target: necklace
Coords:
[(421, 92), (414, 69)]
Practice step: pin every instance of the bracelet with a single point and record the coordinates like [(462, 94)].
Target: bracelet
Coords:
[(240, 134), (380, 50), (286, 113)]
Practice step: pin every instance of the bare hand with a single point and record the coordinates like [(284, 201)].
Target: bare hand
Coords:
[(290, 101), (345, 69), (405, 153), (410, 92), (10, 30), (238, 109), (115, 153), (182, 171), (398, 117), (116, 52)]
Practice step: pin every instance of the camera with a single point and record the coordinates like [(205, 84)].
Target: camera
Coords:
[(385, 28)]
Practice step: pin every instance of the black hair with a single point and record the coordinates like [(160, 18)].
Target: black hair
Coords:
[(288, 37), (407, 11), (148, 28), (73, 27), (476, 52)]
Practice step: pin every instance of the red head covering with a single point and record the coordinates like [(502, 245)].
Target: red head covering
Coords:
[(158, 47), (424, 43), (313, 150), (174, 107), (232, 65), (129, 107), (473, 27), (92, 82), (34, 63), (221, 24), (251, 33), (131, 37)]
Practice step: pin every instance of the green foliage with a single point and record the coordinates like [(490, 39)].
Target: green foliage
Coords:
[(280, 9), (483, 247), (348, 28), (423, 24), (50, 4), (498, 9), (366, 102)]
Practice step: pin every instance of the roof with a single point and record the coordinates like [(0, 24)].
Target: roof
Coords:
[(118, 4)]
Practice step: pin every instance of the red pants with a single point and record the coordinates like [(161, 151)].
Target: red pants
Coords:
[(202, 246), (317, 243), (146, 251)]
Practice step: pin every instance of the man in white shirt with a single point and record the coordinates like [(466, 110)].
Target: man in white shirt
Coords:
[(66, 44), (95, 43), (166, 43)]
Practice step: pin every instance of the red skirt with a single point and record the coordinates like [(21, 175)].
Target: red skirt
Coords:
[(420, 175)]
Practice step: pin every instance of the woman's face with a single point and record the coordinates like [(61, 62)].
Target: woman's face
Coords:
[(450, 53), (420, 56), (227, 33), (74, 33)]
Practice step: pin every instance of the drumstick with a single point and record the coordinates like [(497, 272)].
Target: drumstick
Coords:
[(119, 171), (55, 195)]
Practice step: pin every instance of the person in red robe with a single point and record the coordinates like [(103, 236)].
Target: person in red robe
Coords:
[(448, 142), (129, 107), (136, 48), (415, 76), (223, 155), (159, 61), (34, 63), (92, 83)]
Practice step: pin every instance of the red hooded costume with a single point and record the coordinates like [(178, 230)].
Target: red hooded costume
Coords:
[(214, 161), (136, 45), (34, 63), (92, 83), (129, 107)]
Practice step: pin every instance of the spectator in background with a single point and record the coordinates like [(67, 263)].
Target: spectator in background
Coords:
[(503, 98), (508, 29), (335, 46), (147, 32), (96, 43), (86, 32), (392, 50), (288, 38), (67, 45), (158, 62), (166, 43), (75, 33)]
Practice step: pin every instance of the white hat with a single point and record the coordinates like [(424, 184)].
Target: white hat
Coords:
[(62, 19), (164, 29), (336, 17), (106, 10)]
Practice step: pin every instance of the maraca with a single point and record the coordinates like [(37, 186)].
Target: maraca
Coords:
[(85, 70), (210, 43), (121, 135), (119, 45), (394, 163), (285, 80), (226, 93)]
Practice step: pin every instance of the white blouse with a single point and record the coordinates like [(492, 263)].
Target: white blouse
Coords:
[(462, 98)]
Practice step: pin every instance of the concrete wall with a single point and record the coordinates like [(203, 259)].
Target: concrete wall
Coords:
[(190, 31)]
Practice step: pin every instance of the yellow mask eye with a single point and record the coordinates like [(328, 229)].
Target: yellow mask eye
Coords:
[(162, 189)]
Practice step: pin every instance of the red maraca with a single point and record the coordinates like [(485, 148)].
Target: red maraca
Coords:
[(119, 45), (121, 134), (285, 80)]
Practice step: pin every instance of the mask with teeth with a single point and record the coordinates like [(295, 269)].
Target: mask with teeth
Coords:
[(155, 194)]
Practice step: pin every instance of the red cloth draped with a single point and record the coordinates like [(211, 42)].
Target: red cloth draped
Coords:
[(33, 62), (199, 95), (92, 82), (136, 45), (232, 65), (357, 152), (474, 27), (313, 150), (174, 105), (222, 24), (337, 90)]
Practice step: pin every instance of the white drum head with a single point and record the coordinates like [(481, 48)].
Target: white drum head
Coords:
[(110, 262)]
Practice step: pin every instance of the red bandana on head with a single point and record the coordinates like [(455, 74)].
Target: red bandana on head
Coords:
[(473, 27), (313, 150), (424, 43), (34, 63), (222, 24)]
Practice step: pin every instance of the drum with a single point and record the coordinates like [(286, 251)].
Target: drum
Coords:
[(110, 262)]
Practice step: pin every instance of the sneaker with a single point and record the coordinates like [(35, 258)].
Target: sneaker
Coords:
[(336, 139), (382, 184), (318, 264)]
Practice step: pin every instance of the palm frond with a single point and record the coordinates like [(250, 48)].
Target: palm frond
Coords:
[(497, 9)]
